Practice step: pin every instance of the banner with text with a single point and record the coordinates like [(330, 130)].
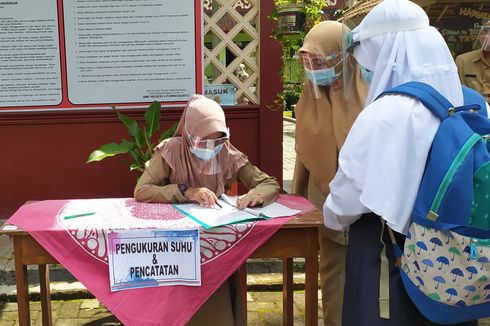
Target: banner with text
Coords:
[(148, 258)]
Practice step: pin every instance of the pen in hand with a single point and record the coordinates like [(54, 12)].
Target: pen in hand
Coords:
[(218, 204)]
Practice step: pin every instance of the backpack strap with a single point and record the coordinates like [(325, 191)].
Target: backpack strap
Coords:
[(430, 98), (436, 103), (471, 97), (384, 275), (384, 279)]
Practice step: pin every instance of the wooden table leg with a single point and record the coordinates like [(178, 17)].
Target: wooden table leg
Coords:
[(21, 281), (311, 290), (242, 274), (45, 294), (287, 291)]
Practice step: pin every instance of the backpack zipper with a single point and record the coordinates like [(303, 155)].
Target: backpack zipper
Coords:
[(446, 181), (477, 242)]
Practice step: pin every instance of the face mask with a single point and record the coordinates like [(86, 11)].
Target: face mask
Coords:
[(367, 75), (206, 154), (322, 77)]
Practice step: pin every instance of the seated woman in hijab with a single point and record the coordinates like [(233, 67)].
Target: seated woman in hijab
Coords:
[(383, 158), (198, 164), (324, 115)]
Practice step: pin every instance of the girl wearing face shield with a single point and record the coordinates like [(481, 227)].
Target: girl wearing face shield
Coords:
[(198, 164), (324, 115), (383, 158)]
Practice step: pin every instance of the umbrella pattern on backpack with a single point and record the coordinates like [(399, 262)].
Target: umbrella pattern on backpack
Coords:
[(440, 265)]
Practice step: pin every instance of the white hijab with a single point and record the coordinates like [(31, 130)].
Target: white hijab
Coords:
[(412, 55), (383, 158)]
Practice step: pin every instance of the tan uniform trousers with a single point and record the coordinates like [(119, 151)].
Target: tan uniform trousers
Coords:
[(333, 248), (224, 307)]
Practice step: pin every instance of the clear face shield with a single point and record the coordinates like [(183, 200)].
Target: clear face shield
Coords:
[(210, 145), (206, 149), (351, 68), (484, 37), (205, 141), (321, 69), (352, 38)]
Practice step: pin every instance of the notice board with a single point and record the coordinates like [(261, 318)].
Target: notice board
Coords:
[(75, 54)]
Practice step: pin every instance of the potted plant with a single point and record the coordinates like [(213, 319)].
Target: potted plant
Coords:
[(305, 14), (290, 18), (142, 141)]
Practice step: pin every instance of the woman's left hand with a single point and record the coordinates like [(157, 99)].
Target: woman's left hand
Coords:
[(250, 199)]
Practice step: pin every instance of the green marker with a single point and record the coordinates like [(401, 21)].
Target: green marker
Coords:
[(78, 215)]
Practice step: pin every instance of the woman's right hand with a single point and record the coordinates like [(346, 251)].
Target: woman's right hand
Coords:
[(203, 196)]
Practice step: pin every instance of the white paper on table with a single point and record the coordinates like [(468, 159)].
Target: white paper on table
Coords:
[(215, 216)]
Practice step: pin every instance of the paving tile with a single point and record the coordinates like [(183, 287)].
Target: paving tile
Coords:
[(8, 306), (90, 304), (253, 319), (299, 299), (249, 297), (55, 305), (267, 296), (72, 321), (272, 318), (6, 245), (299, 322), (35, 306), (8, 315), (68, 309), (484, 322), (262, 306), (93, 313)]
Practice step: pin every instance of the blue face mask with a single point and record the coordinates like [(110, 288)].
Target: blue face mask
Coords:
[(322, 77), (366, 74), (206, 154)]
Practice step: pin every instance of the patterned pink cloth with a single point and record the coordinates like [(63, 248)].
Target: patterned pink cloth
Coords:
[(79, 245)]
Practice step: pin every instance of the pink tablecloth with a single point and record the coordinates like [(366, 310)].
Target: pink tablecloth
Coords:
[(79, 245)]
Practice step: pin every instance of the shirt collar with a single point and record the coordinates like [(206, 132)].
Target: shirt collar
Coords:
[(482, 58)]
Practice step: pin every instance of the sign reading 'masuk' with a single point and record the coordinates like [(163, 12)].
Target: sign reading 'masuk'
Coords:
[(149, 257)]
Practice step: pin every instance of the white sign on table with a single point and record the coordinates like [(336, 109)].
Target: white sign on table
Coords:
[(149, 257)]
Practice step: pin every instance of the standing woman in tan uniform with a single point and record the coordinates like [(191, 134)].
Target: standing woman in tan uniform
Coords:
[(324, 116)]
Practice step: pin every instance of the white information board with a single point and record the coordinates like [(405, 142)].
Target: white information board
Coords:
[(65, 54), (129, 51), (30, 67)]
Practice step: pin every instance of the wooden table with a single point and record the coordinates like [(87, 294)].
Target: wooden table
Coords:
[(297, 238)]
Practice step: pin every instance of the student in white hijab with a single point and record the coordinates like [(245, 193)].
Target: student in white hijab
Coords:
[(383, 158)]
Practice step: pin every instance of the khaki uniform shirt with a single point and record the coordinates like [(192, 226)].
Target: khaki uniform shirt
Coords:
[(154, 185), (474, 72)]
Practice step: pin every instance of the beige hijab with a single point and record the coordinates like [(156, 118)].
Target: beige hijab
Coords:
[(322, 124), (200, 118)]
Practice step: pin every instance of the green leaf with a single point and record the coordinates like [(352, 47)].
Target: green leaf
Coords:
[(132, 128), (168, 133), (137, 167), (108, 150), (152, 119), (137, 157)]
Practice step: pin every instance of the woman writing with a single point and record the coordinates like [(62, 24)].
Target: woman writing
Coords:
[(198, 164)]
